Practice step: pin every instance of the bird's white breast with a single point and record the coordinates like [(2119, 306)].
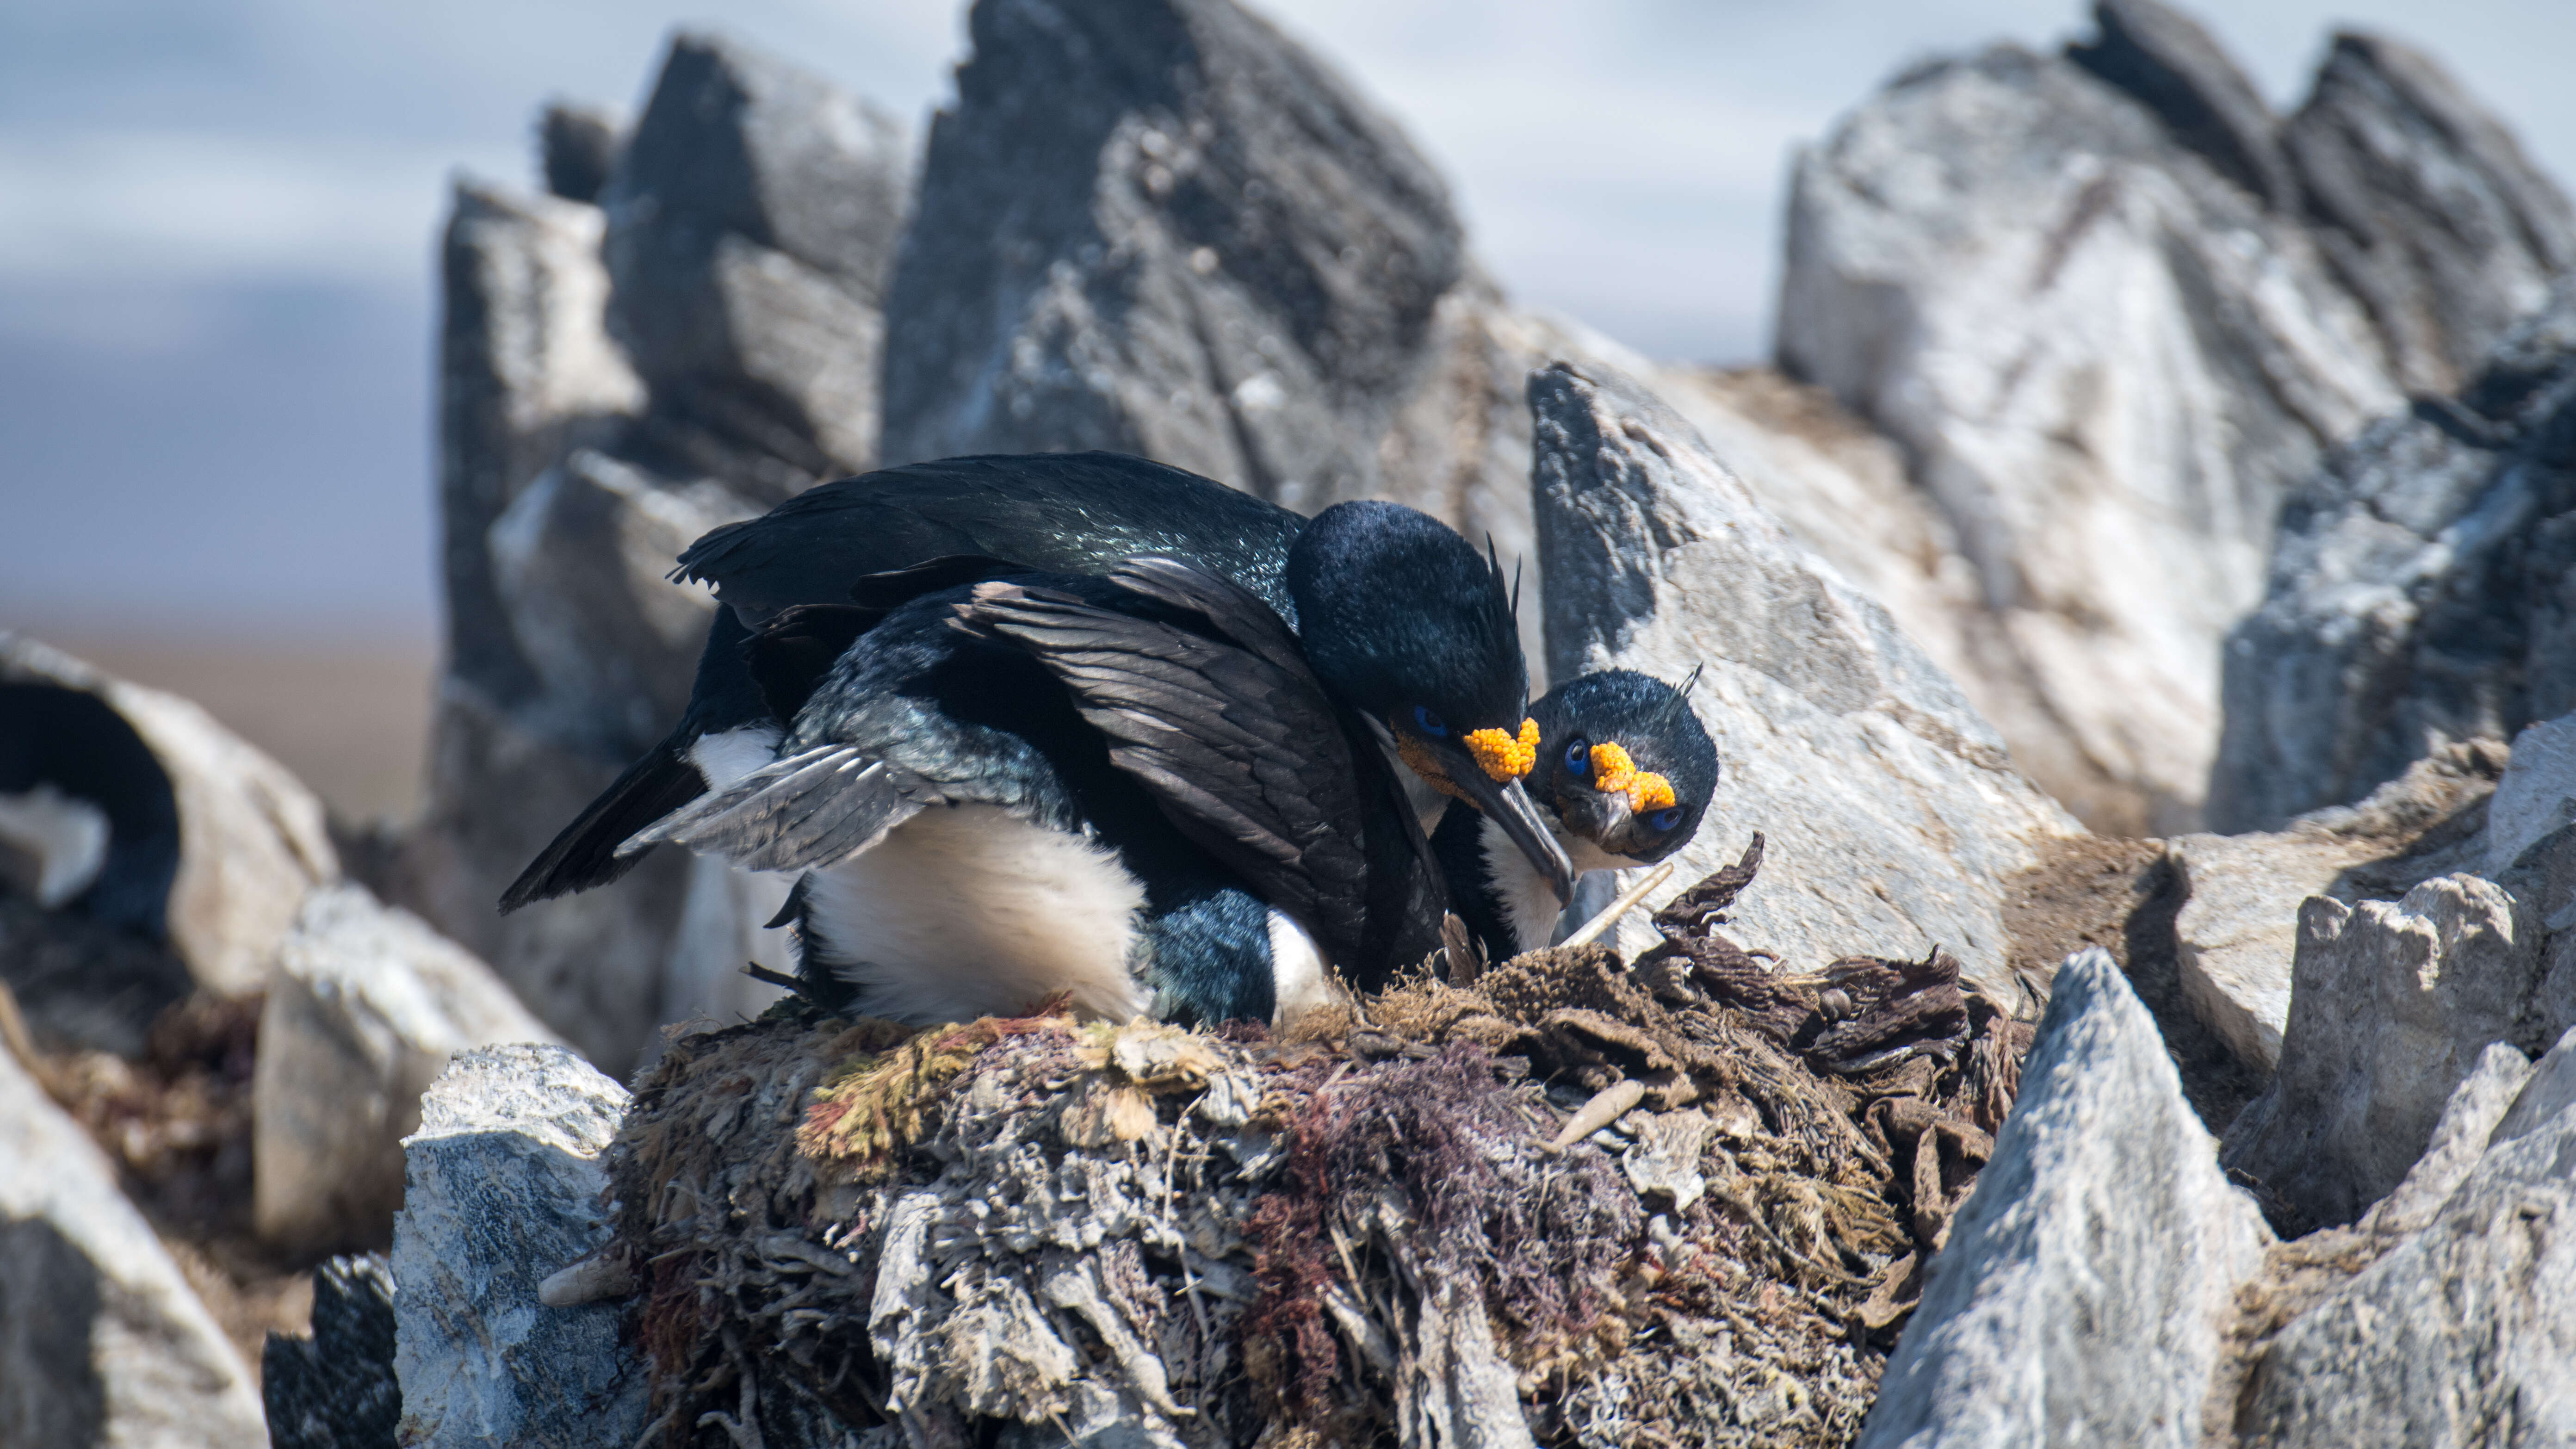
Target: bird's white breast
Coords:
[(1529, 902), (1301, 981), (967, 910)]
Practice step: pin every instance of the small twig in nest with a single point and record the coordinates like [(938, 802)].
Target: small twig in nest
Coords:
[(1607, 1106), (1592, 930)]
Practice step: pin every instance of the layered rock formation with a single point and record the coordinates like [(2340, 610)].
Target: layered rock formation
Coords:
[(101, 1339), (1853, 754), (504, 1186), (1166, 229), (2113, 311), (2419, 591), (615, 380)]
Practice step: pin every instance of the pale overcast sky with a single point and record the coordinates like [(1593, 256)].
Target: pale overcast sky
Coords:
[(217, 220)]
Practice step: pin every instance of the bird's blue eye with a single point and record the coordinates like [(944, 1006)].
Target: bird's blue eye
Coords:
[(1665, 819), (1429, 723), (1578, 755)]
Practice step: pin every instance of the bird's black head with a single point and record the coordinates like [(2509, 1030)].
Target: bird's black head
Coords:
[(1400, 618), (1403, 622), (1626, 766)]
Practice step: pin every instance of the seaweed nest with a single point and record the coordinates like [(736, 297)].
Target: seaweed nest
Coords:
[(1683, 1201)]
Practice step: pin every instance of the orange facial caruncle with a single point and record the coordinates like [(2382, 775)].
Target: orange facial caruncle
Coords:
[(1612, 770), (1503, 757)]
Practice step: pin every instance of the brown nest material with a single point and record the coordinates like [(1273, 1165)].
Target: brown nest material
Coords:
[(1568, 1202)]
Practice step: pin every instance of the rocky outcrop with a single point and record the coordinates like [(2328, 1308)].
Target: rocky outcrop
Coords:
[(615, 380), (752, 220), (2425, 206), (2418, 592), (1166, 229), (101, 1340), (336, 1389), (2459, 1332), (526, 372), (1847, 748), (2106, 360), (2115, 311), (2085, 1288), (2390, 1008), (366, 1009), (2236, 931), (504, 1187), (201, 840), (2537, 794)]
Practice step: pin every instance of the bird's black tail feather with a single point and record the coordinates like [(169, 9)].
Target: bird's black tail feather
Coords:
[(585, 854)]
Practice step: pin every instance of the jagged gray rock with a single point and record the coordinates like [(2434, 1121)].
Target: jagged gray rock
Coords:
[(577, 148), (2471, 1121), (101, 1339), (2165, 59), (2236, 932), (580, 560), (2459, 1336), (336, 1389), (2426, 206), (2537, 794), (2390, 1007), (367, 1006), (749, 223), (2083, 1292), (503, 1190), (211, 844), (526, 371), (2116, 312), (1167, 229), (752, 220), (2418, 592), (2017, 271), (1839, 741)]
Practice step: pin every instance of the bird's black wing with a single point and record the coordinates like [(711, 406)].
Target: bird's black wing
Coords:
[(1235, 740), (584, 854), (853, 540), (790, 654), (1407, 891), (809, 809), (1075, 513)]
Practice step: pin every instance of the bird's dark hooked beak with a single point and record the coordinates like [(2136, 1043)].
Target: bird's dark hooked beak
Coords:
[(1602, 817), (1458, 768), (1507, 804)]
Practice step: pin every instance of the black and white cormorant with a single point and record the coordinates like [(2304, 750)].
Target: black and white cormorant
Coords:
[(1130, 789), (1625, 770), (1393, 612)]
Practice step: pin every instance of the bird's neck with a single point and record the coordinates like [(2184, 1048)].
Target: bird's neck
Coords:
[(1492, 885)]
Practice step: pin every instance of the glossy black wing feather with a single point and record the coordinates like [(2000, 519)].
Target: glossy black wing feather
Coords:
[(807, 810), (1075, 513), (1228, 608), (792, 653), (1248, 759), (891, 589), (584, 854)]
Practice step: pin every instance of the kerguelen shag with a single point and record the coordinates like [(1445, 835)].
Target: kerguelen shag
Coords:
[(1382, 603), (1626, 770), (1417, 659), (1128, 789), (1407, 634)]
